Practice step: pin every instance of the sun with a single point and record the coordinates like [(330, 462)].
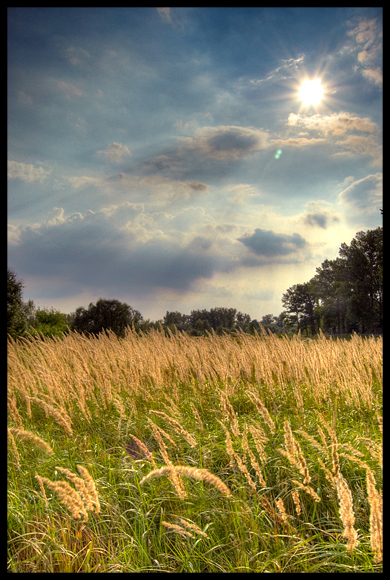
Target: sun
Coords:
[(311, 92)]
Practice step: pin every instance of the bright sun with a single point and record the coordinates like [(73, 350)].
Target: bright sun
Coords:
[(311, 92)]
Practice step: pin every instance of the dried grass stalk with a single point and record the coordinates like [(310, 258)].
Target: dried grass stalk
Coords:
[(91, 488), (146, 451), (295, 496), (193, 473), (192, 526), (28, 436), (282, 510), (15, 449), (59, 415), (376, 516), (228, 414), (197, 416), (346, 512), (178, 529), (68, 496), (307, 489), (14, 413), (262, 409), (173, 476), (79, 485), (176, 425)]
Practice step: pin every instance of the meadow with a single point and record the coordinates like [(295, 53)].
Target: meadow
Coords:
[(157, 453)]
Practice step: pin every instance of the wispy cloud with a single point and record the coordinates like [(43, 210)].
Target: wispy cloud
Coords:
[(116, 152), (69, 90), (165, 14), (368, 38), (364, 195), (356, 136), (282, 72), (26, 171)]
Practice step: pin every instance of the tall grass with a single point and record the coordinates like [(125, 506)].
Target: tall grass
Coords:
[(217, 453)]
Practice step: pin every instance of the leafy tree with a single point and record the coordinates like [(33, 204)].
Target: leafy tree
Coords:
[(106, 314), (50, 322), (176, 320), (300, 300), (242, 321), (346, 294), (364, 276), (16, 325)]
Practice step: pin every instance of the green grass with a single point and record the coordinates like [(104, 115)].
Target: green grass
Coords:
[(242, 536)]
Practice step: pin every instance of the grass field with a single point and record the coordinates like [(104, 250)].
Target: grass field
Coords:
[(182, 454)]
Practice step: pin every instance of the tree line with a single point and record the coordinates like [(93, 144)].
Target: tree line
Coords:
[(344, 296)]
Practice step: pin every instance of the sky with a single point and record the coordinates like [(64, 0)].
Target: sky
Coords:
[(167, 158)]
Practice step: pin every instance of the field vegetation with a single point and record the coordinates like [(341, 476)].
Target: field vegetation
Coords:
[(229, 453)]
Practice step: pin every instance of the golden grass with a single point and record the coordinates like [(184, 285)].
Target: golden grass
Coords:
[(376, 516), (28, 436), (191, 472), (256, 387), (78, 500), (346, 511)]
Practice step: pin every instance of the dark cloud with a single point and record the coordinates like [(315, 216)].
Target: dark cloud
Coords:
[(271, 245), (88, 252), (225, 142), (320, 219)]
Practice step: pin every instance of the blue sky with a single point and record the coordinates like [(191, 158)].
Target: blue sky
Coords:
[(164, 156)]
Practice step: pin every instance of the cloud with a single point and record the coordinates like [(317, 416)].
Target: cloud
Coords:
[(374, 75), (116, 152), (319, 215), (362, 146), (334, 124), (95, 252), (26, 171), (368, 38), (297, 142), (76, 55), (225, 142), (364, 195), (282, 72), (271, 245), (165, 14), (356, 135), (69, 90)]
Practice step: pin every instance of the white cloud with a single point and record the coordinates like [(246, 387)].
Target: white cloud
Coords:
[(364, 195), (374, 74), (356, 135), (69, 90), (116, 152), (334, 124), (368, 38), (77, 55), (26, 171)]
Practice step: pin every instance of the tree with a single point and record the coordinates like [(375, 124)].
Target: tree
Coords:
[(242, 321), (16, 325), (50, 322), (346, 294), (106, 314), (364, 276), (300, 300), (176, 320), (330, 288)]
